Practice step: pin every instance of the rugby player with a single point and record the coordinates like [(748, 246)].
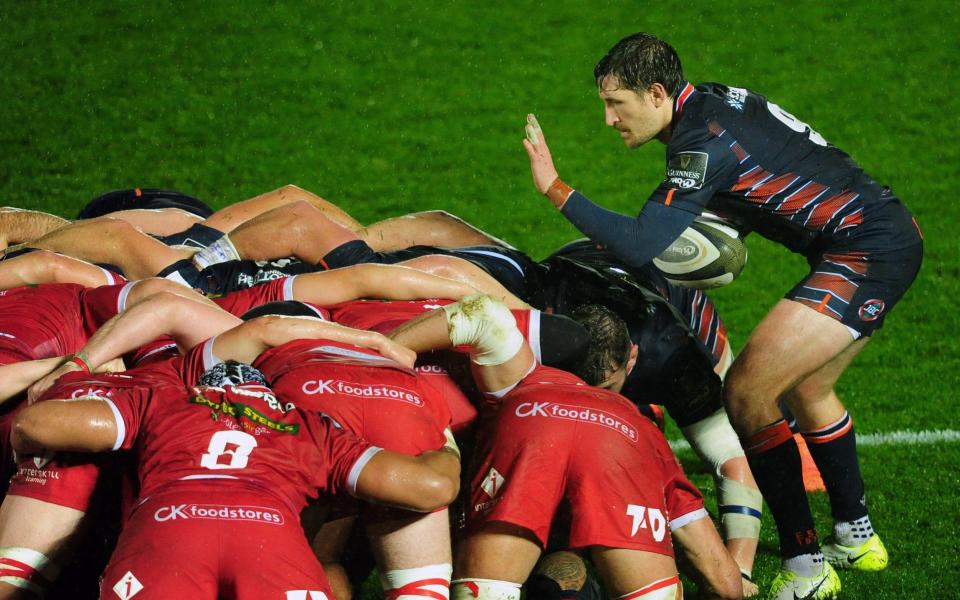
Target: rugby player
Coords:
[(673, 368), (612, 465), (47, 500), (238, 481), (735, 153)]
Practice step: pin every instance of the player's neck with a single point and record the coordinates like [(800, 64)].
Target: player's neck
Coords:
[(667, 131)]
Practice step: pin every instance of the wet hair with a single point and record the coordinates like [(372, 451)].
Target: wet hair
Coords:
[(640, 60), (608, 348)]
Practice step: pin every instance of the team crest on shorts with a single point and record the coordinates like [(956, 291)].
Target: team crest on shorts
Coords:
[(871, 309)]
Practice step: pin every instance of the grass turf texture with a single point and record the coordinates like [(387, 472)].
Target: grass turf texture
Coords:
[(392, 109)]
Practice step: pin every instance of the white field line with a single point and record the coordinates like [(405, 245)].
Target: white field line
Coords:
[(892, 438)]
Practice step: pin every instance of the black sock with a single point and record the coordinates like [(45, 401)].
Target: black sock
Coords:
[(834, 449), (775, 461)]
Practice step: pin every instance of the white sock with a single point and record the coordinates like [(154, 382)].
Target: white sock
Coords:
[(805, 565), (853, 533)]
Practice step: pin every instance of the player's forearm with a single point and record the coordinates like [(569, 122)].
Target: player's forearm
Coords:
[(187, 321), (424, 333), (17, 377), (636, 240), (64, 425), (712, 564), (403, 283)]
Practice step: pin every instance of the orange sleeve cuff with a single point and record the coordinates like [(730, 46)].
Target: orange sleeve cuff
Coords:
[(558, 192)]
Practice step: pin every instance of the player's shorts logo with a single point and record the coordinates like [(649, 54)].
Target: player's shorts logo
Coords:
[(128, 586), (491, 486), (871, 309)]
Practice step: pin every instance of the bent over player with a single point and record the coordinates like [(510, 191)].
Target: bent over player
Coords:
[(736, 153), (554, 439), (224, 470)]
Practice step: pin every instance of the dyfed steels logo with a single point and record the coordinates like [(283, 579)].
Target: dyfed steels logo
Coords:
[(871, 309)]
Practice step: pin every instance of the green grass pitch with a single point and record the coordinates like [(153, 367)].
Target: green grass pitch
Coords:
[(388, 108)]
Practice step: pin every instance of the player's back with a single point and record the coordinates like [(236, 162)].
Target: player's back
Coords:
[(742, 156), (367, 394), (38, 320), (240, 435), (381, 315)]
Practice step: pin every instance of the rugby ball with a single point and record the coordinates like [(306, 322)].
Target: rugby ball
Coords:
[(708, 254)]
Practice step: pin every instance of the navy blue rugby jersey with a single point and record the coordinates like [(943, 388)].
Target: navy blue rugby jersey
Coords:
[(741, 156)]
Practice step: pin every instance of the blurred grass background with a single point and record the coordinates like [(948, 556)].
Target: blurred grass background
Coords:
[(389, 108)]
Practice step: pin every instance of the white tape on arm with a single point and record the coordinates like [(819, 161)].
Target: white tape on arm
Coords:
[(487, 326)]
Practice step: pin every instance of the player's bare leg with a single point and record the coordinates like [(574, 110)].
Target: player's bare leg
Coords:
[(44, 266), (115, 242), (458, 269), (328, 545), (633, 571), (792, 342), (829, 434), (229, 218), (295, 229), (37, 534), (412, 551), (427, 228), (739, 499), (161, 221), (492, 564), (18, 225)]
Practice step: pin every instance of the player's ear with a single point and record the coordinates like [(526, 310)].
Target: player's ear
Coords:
[(632, 360), (658, 94)]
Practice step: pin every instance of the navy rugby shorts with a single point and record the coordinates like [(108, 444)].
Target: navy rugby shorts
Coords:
[(509, 267), (858, 280)]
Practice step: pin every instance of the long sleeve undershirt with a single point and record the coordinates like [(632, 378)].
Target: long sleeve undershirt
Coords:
[(636, 240)]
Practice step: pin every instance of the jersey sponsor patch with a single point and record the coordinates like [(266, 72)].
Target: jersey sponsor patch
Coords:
[(577, 413), (688, 170), (361, 390), (736, 97), (221, 512)]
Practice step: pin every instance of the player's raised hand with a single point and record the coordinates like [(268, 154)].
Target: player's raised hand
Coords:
[(541, 163), (545, 176)]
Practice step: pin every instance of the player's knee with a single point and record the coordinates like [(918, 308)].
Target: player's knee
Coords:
[(430, 581), (439, 265), (484, 589), (24, 572), (487, 326), (156, 289)]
